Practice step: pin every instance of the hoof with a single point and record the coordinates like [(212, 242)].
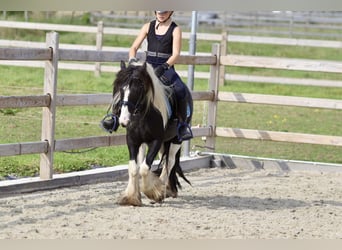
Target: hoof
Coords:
[(153, 187), (130, 201), (156, 197), (171, 194), (156, 193)]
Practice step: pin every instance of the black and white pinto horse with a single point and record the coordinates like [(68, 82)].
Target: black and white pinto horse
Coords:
[(145, 112)]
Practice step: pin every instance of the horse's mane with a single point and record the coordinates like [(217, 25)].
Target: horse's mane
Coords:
[(161, 94), (157, 95)]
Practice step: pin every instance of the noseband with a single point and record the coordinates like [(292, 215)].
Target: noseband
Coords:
[(135, 107)]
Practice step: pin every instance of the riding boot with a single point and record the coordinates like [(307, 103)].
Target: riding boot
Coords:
[(110, 123), (184, 130)]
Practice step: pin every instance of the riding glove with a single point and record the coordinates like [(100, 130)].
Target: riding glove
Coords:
[(132, 60), (160, 70)]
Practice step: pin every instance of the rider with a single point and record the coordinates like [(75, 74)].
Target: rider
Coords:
[(164, 39)]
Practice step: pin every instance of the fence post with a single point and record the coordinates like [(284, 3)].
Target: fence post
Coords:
[(26, 14), (49, 113), (223, 51), (214, 87), (99, 42)]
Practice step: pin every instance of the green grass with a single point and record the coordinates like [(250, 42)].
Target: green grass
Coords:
[(23, 125), (286, 90)]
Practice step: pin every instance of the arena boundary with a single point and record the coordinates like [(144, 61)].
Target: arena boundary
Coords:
[(270, 164), (189, 163), (104, 174)]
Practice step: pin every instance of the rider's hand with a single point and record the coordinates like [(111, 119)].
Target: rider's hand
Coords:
[(160, 70), (132, 60)]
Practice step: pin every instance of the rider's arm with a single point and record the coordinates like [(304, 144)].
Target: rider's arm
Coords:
[(138, 41), (177, 45)]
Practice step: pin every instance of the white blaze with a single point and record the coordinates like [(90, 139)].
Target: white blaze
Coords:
[(125, 115)]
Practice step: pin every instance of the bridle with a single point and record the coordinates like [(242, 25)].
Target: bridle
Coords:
[(135, 106)]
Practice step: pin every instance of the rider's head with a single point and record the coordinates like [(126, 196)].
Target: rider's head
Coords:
[(163, 12), (163, 15)]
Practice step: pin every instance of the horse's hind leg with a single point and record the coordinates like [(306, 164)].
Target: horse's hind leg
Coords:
[(168, 176)]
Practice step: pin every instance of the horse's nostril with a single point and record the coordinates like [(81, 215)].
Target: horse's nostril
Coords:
[(124, 121)]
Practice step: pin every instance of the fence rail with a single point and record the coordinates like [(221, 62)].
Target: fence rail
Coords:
[(279, 136), (49, 100), (280, 100), (289, 23), (25, 54), (282, 63), (185, 35), (100, 31)]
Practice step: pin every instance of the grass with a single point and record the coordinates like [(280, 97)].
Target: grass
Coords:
[(23, 125), (286, 90)]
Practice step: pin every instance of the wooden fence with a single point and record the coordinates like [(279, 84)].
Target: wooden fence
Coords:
[(284, 23), (100, 31), (49, 100)]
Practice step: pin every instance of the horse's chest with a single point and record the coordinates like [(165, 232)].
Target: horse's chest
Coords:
[(145, 131)]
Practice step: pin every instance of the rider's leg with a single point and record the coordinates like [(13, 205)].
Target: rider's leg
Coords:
[(184, 130)]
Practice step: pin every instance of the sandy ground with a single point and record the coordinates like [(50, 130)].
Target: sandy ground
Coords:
[(222, 203)]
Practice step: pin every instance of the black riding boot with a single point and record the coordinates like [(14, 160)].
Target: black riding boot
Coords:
[(184, 130), (110, 122)]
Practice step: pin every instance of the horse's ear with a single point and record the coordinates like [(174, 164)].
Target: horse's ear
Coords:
[(122, 64)]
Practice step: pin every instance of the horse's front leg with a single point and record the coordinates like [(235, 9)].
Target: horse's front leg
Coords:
[(131, 195), (151, 185)]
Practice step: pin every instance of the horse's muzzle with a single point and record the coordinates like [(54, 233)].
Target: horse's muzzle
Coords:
[(124, 122), (125, 116)]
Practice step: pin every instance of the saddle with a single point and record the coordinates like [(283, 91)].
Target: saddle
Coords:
[(174, 126)]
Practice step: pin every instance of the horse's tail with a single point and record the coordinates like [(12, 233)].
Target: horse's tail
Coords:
[(177, 169)]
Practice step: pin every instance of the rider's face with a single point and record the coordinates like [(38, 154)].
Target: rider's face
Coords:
[(162, 15)]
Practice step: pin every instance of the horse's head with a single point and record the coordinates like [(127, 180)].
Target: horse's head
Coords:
[(133, 89)]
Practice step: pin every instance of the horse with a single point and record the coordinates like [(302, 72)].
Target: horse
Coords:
[(145, 108)]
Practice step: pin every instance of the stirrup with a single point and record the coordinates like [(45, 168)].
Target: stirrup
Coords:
[(109, 123), (188, 135)]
